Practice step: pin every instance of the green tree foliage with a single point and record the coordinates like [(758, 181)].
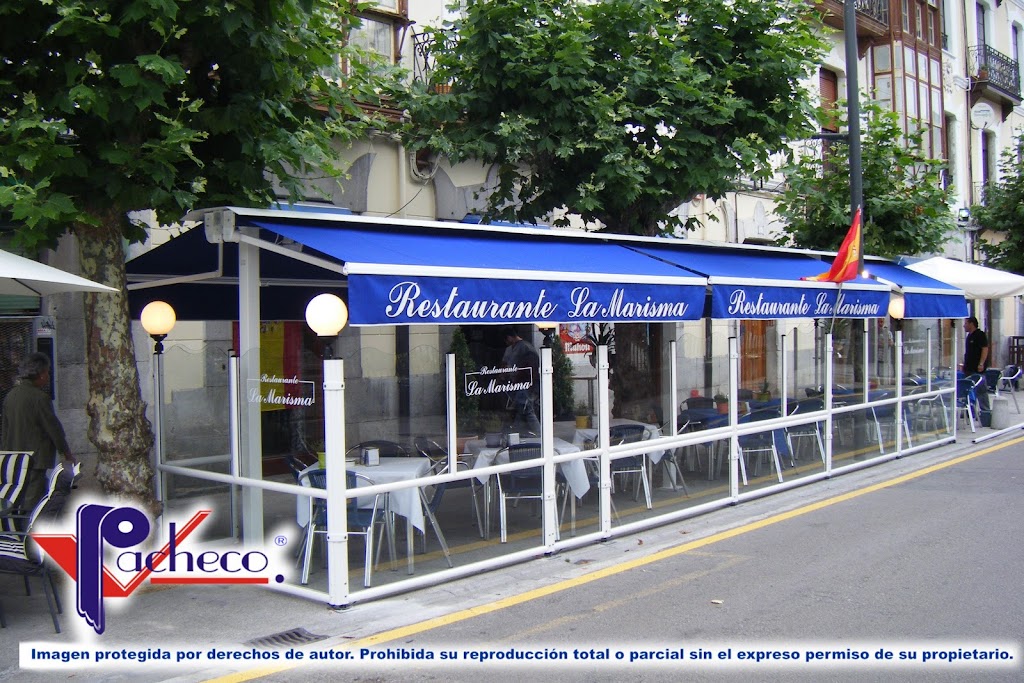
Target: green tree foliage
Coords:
[(906, 210), (619, 110), (467, 408), (111, 106), (562, 393), (1002, 214)]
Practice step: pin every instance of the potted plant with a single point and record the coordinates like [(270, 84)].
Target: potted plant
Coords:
[(582, 415), (765, 393), (722, 402)]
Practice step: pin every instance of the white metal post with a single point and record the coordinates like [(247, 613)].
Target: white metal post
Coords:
[(673, 372), (603, 411), (898, 369), (249, 344), (547, 433), (234, 437), (449, 392), (337, 511), (784, 376), (736, 465), (829, 422)]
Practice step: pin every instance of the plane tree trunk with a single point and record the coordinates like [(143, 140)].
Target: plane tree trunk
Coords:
[(118, 426)]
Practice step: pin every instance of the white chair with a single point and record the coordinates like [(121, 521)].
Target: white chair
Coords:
[(1009, 380)]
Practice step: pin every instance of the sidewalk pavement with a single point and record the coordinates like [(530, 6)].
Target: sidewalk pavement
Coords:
[(207, 617)]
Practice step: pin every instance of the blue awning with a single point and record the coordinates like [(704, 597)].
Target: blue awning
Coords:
[(765, 284), (923, 297), (414, 275)]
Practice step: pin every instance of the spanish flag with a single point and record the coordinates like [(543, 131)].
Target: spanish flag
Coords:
[(847, 261)]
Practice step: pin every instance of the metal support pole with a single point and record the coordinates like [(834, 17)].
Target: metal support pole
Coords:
[(603, 412), (337, 505), (735, 465), (450, 387), (829, 423), (158, 423), (547, 434), (898, 369), (853, 113)]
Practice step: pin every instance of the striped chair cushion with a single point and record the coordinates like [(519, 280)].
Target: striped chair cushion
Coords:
[(13, 473)]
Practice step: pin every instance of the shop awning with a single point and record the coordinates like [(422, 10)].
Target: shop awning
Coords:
[(765, 284), (413, 274), (977, 282), (923, 296)]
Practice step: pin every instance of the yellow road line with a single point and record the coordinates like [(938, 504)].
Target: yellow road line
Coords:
[(511, 601)]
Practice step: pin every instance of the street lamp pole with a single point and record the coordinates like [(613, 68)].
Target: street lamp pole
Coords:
[(327, 315), (158, 320)]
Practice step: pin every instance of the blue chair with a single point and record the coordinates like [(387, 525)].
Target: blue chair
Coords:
[(525, 484), (807, 431), (761, 444), (633, 464), (966, 400), (362, 521)]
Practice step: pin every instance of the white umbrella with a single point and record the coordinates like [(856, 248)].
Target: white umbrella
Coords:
[(24, 277), (978, 282)]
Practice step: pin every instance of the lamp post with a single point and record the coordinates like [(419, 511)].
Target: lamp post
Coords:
[(158, 320), (327, 315)]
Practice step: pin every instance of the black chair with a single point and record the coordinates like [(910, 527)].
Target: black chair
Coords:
[(526, 484), (632, 464)]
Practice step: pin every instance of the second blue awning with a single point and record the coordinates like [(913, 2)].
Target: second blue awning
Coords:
[(765, 284)]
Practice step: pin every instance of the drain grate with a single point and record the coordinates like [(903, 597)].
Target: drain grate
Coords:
[(292, 638)]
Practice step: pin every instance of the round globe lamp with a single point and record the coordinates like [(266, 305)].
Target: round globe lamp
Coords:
[(158, 320), (327, 315)]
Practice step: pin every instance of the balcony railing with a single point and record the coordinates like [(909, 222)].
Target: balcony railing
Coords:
[(876, 9), (992, 68)]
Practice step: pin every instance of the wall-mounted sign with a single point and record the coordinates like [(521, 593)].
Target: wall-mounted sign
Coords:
[(498, 380), (282, 392)]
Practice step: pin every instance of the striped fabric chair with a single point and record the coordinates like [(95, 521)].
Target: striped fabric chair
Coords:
[(18, 556), (13, 474)]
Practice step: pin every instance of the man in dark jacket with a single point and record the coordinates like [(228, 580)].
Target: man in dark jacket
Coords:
[(30, 424)]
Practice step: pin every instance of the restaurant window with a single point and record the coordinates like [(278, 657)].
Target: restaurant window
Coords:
[(905, 11)]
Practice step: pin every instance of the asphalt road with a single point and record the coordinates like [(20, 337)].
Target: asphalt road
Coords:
[(930, 564)]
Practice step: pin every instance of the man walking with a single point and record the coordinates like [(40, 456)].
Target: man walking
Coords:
[(30, 424), (520, 354)]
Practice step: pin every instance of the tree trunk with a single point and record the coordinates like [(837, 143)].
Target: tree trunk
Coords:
[(118, 427)]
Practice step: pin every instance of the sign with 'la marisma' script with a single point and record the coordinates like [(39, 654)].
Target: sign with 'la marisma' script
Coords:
[(498, 380), (289, 392), (389, 300)]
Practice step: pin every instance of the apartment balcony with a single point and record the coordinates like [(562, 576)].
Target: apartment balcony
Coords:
[(423, 61), (994, 76), (872, 18)]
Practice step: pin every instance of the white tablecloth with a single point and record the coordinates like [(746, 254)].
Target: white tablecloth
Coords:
[(574, 471), (405, 502), (582, 436)]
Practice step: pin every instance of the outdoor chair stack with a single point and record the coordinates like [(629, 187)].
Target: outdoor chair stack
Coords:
[(19, 555)]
